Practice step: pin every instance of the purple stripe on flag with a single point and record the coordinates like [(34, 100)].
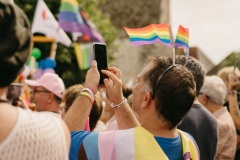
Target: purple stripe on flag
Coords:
[(186, 156), (74, 27), (70, 17), (137, 43)]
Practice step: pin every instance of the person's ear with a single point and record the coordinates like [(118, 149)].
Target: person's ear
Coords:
[(50, 98), (147, 98), (205, 100)]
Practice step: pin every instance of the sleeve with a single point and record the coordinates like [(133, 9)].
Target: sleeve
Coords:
[(223, 138), (76, 141)]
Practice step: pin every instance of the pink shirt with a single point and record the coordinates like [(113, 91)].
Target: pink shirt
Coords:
[(227, 140)]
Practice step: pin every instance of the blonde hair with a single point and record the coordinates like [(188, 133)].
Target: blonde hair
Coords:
[(224, 72)]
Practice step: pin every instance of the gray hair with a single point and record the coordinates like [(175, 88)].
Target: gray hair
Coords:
[(215, 89)]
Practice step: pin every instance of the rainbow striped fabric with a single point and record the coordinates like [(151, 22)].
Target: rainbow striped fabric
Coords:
[(131, 144), (69, 18), (150, 34), (182, 39), (84, 55)]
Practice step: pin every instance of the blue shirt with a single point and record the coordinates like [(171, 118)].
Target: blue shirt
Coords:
[(172, 147), (76, 140)]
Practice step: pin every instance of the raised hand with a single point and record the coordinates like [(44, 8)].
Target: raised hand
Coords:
[(92, 77), (113, 85), (234, 82)]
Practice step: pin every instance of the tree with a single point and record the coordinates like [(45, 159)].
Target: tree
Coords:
[(67, 67)]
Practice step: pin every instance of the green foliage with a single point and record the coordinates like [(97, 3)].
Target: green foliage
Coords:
[(67, 66), (231, 60)]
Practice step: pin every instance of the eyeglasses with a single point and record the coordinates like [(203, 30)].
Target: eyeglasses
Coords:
[(200, 93), (38, 91)]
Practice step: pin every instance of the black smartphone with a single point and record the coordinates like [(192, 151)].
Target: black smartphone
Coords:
[(100, 55), (13, 92)]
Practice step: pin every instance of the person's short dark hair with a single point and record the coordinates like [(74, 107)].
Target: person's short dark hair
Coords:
[(15, 42), (196, 68), (73, 92), (175, 92)]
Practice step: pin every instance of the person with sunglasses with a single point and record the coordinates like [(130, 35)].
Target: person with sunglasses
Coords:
[(47, 92)]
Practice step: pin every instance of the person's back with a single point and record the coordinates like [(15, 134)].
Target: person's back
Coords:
[(204, 129), (24, 134), (227, 135), (213, 95), (31, 135), (199, 122)]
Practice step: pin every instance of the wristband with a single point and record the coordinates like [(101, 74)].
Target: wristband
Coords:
[(232, 92), (89, 91), (86, 94), (92, 91), (119, 105)]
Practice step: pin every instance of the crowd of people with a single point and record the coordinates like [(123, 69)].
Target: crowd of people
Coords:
[(174, 111)]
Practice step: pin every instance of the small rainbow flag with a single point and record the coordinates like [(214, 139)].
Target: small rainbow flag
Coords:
[(182, 39), (150, 34)]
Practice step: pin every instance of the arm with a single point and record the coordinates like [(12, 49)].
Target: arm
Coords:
[(78, 113), (124, 114), (232, 99)]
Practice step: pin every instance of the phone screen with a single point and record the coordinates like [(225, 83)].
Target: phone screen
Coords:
[(14, 91), (100, 54)]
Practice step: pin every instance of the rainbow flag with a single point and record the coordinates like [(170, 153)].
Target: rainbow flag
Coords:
[(182, 39), (135, 144), (69, 18), (150, 34), (84, 55)]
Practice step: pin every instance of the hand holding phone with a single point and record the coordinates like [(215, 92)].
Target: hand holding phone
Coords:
[(100, 55)]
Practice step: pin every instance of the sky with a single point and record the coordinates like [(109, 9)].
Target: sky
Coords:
[(214, 25)]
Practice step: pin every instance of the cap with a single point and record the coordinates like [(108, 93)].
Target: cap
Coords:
[(15, 42), (51, 82)]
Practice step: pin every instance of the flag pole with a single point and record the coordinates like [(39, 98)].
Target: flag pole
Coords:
[(78, 52), (235, 62), (172, 42), (53, 50)]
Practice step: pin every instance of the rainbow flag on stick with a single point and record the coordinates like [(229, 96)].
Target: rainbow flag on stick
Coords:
[(182, 39), (149, 35)]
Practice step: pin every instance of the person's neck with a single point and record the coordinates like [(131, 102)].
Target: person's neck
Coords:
[(196, 101), (158, 127), (53, 107), (3, 94), (213, 107)]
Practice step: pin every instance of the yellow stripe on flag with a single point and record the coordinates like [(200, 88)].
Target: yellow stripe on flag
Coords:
[(78, 52), (145, 143)]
